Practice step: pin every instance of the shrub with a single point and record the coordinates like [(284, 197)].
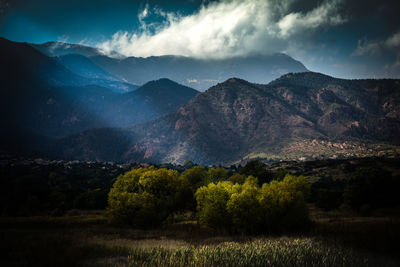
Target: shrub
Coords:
[(372, 187), (195, 177), (283, 203), (257, 169), (327, 194), (144, 197), (92, 199), (244, 207), (217, 174), (249, 208), (238, 178), (211, 204)]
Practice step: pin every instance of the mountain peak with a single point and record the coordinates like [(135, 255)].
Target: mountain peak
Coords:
[(165, 86), (162, 81), (306, 79), (306, 74), (54, 48), (234, 80)]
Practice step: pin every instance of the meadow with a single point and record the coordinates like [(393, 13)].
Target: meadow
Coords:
[(86, 239)]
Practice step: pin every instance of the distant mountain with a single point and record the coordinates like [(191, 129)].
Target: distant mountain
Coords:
[(196, 73), (199, 73), (53, 49), (304, 115), (84, 67), (40, 99)]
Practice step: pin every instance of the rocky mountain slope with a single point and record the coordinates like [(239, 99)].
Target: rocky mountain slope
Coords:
[(305, 114)]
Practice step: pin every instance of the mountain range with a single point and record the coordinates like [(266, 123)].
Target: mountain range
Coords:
[(193, 72), (77, 103), (298, 115), (41, 97)]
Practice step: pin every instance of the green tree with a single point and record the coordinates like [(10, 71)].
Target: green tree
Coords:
[(145, 197), (327, 193), (216, 175), (244, 207), (371, 188), (257, 169), (238, 178), (195, 177), (279, 205), (211, 204), (283, 203)]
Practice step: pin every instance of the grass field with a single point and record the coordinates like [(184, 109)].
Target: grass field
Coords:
[(87, 240)]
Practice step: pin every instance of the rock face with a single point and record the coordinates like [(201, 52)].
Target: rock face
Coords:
[(237, 119)]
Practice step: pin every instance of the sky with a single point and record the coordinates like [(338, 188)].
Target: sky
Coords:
[(342, 38)]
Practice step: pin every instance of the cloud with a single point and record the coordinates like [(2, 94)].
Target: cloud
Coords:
[(325, 14), (223, 29), (393, 41), (375, 48), (389, 48), (367, 48)]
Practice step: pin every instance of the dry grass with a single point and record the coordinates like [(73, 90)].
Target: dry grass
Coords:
[(87, 239)]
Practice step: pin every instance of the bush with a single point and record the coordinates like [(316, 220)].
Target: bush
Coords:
[(244, 207), (249, 208), (327, 194), (195, 177), (372, 187), (217, 174), (283, 203), (238, 178), (211, 204), (257, 169), (145, 197), (92, 199)]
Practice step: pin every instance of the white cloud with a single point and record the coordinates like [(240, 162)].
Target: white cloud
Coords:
[(223, 29), (389, 47), (394, 40), (325, 14), (375, 48), (367, 48)]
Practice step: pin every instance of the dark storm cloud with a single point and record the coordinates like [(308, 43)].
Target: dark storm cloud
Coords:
[(344, 38)]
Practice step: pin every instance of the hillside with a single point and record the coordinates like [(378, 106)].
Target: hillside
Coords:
[(40, 99), (305, 115)]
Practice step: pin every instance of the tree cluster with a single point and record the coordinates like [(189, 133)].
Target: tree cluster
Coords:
[(53, 189), (247, 207), (146, 197)]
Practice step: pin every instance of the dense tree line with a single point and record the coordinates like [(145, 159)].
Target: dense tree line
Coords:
[(146, 197), (365, 189), (247, 207), (35, 189)]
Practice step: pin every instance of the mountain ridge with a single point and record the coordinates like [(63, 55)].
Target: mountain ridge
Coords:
[(236, 119), (194, 72), (40, 97)]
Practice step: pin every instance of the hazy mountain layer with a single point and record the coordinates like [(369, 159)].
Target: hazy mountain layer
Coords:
[(84, 67), (196, 73), (53, 49), (41, 99)]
